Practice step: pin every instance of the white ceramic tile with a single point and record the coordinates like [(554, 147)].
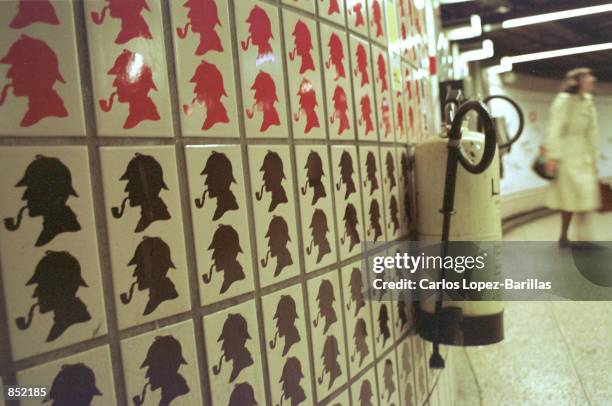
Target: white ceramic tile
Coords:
[(39, 42), (357, 12), (48, 190), (144, 218), (387, 380), (129, 68), (161, 367), (316, 206), (333, 10), (204, 68), (373, 203), (378, 22), (364, 390), (349, 215), (363, 87), (304, 73), (359, 330), (329, 349), (234, 356), (384, 102), (261, 70), (287, 347), (220, 221), (86, 377), (274, 208), (337, 83), (306, 5), (341, 399)]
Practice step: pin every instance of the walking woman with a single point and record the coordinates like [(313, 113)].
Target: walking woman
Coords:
[(571, 147)]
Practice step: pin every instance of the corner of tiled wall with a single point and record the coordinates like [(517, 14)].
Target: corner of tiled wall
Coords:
[(186, 185)]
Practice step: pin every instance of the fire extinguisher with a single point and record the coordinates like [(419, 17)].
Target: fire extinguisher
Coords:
[(472, 170)]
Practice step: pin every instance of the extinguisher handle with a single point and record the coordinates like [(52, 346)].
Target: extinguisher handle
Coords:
[(519, 113), (490, 141)]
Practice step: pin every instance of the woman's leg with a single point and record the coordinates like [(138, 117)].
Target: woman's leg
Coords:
[(582, 226), (566, 218)]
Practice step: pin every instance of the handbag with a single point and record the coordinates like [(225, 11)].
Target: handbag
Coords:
[(539, 167), (605, 190)]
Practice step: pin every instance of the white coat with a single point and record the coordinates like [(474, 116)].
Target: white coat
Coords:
[(572, 140)]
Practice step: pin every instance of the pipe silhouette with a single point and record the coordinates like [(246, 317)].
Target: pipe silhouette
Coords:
[(273, 342), (107, 105), (217, 368), (187, 108), (245, 44), (292, 54), (208, 277), (98, 18), (5, 90), (343, 238), (22, 322), (199, 202), (126, 298), (309, 248), (320, 379), (118, 211), (315, 322), (13, 224), (304, 188), (259, 195), (264, 261), (338, 185), (139, 400), (182, 33)]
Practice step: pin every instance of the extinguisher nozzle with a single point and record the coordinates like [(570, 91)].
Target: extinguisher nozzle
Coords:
[(436, 361)]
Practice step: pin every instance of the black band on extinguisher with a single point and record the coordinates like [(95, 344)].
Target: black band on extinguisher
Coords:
[(460, 329)]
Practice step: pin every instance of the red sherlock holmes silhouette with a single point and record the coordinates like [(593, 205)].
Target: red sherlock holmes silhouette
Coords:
[(362, 65), (336, 56), (340, 110), (308, 104), (260, 34), (333, 7), (33, 71), (386, 116), (377, 18), (203, 20), (133, 25), (400, 114), (358, 11), (133, 82), (30, 12), (382, 73), (302, 46), (366, 114), (264, 99), (208, 90)]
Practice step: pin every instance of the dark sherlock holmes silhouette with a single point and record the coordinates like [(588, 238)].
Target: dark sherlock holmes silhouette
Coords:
[(314, 174), (329, 357), (319, 230), (388, 379), (356, 285), (242, 395), (273, 175), (74, 385), (350, 227), (33, 71), (208, 90), (346, 174), (133, 82), (325, 300), (365, 393), (302, 46), (308, 104), (153, 261), (406, 359), (278, 238), (219, 178), (285, 317), (375, 226), (371, 170), (340, 112), (164, 359), (264, 99), (145, 181), (336, 56), (383, 324), (31, 12), (390, 165), (203, 20), (393, 214), (133, 24), (359, 339), (404, 310), (233, 340), (57, 278), (225, 246), (48, 184), (290, 380)]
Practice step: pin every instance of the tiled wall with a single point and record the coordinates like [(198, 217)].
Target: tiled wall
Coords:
[(185, 186)]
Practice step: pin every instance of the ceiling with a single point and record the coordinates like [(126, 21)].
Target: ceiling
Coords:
[(587, 30)]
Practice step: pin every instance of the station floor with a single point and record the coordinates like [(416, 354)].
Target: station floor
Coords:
[(554, 353)]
